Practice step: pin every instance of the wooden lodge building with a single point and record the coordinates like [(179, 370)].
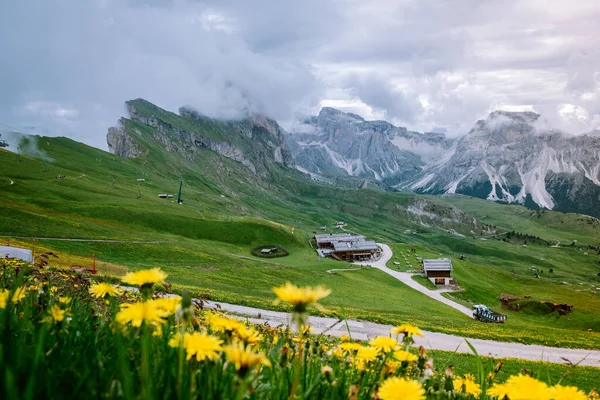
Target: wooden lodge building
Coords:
[(439, 271), (347, 247)]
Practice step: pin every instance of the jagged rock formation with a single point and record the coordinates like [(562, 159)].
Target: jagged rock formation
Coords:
[(509, 157), (256, 142), (513, 157), (120, 143), (336, 143)]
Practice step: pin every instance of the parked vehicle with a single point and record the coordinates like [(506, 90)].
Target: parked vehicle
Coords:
[(484, 314)]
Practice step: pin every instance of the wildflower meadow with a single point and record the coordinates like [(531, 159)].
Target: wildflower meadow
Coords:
[(66, 335)]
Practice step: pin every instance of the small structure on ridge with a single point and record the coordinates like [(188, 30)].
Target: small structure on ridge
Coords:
[(439, 271), (347, 247)]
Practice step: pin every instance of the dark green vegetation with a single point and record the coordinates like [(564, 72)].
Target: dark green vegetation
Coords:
[(205, 243), (270, 251)]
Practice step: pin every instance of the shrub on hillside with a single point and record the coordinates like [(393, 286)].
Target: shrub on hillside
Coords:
[(276, 251)]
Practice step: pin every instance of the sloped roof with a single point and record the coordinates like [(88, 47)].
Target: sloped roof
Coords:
[(338, 237), (439, 264), (358, 245)]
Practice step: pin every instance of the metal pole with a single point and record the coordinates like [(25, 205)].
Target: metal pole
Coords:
[(179, 199)]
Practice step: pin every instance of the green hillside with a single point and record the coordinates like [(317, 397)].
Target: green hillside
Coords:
[(554, 226), (204, 244)]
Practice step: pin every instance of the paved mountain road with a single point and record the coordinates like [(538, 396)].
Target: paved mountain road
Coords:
[(406, 278), (364, 330)]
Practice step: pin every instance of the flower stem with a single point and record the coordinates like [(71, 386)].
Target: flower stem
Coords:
[(300, 322), (146, 390)]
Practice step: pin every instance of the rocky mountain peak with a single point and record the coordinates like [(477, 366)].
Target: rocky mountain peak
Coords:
[(517, 116), (513, 157), (506, 126), (336, 143), (595, 133), (335, 114), (188, 112), (255, 141)]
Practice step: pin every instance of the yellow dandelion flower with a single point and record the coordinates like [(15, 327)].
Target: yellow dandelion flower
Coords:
[(53, 289), (349, 346), (367, 353), (467, 385), (498, 390), (391, 367), (157, 330), (306, 330), (336, 352), (64, 300), (18, 295), (57, 314), (137, 313), (559, 392), (344, 338), (168, 304), (3, 298), (201, 346), (104, 290), (175, 340), (248, 335), (401, 389), (34, 288), (222, 324), (300, 298), (244, 357), (403, 355), (384, 344), (406, 329), (145, 277), (521, 387)]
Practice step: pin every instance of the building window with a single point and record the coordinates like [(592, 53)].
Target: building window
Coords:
[(440, 281)]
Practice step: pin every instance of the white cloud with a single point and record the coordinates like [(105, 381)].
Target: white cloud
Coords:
[(427, 64), (47, 109)]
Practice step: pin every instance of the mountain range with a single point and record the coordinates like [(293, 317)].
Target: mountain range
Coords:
[(511, 157)]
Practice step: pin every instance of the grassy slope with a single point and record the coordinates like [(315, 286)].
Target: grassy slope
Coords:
[(203, 238), (553, 226)]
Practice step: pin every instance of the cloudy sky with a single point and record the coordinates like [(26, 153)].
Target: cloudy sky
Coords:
[(67, 66)]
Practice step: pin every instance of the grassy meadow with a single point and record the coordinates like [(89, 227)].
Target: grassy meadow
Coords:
[(204, 244), (70, 335)]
